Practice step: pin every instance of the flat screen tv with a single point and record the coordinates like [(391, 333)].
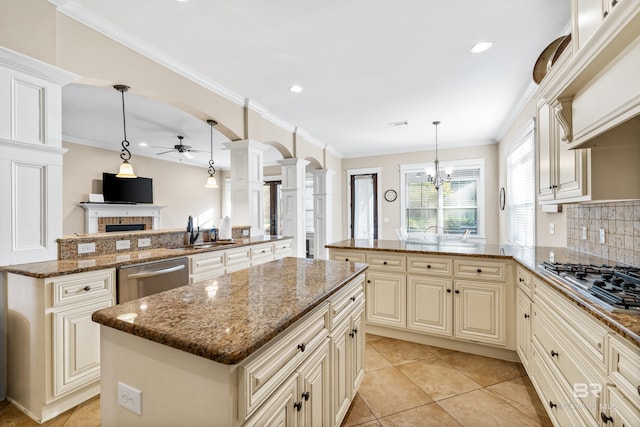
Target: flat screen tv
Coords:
[(126, 190)]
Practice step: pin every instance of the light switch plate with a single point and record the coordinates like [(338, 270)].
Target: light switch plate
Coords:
[(123, 244), (552, 228), (584, 233), (86, 248), (602, 240)]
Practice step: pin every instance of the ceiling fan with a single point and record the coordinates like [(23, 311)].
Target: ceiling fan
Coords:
[(180, 148)]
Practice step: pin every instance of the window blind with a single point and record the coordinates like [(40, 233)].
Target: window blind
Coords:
[(521, 192)]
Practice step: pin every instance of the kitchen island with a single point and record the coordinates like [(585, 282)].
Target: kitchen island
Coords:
[(283, 339)]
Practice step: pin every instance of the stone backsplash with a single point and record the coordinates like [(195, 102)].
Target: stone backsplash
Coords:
[(105, 243), (620, 222)]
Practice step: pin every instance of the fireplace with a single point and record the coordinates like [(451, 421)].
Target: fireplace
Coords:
[(110, 228), (120, 217)]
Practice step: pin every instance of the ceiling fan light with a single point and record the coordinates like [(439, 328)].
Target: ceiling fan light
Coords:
[(126, 171), (188, 155), (211, 182)]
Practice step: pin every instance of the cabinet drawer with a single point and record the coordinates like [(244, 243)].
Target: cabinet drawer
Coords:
[(78, 287), (205, 262), (430, 265), (388, 262), (237, 256), (262, 252), (263, 372), (282, 249), (347, 256), (485, 270), (624, 369), (342, 303), (525, 280)]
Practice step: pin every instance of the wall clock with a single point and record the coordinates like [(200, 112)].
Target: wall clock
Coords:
[(502, 198), (390, 195)]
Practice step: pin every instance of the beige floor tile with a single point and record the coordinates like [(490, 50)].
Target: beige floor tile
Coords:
[(374, 360), (86, 415), (373, 423), (481, 408), (387, 391), (520, 393), (430, 415), (437, 379), (484, 370), (398, 352), (372, 337), (359, 413)]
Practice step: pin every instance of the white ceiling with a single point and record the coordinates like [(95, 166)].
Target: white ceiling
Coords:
[(362, 63)]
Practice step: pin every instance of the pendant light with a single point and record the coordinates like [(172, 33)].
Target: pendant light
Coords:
[(437, 180), (126, 170), (211, 181)]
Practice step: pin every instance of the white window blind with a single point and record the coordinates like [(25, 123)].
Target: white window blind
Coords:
[(520, 203)]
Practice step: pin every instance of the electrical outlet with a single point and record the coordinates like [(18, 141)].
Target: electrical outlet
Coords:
[(130, 398), (552, 228), (245, 233), (123, 244), (144, 243), (584, 233), (86, 248), (602, 240)]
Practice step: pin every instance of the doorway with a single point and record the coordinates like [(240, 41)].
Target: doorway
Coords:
[(271, 195), (364, 206)]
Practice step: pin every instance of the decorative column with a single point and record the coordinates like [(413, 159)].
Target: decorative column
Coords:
[(322, 206), (293, 192), (246, 184)]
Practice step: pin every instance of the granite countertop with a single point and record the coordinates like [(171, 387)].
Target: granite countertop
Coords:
[(45, 269), (230, 317), (529, 257)]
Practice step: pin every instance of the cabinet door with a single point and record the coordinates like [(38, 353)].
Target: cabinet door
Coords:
[(546, 169), (341, 370), (358, 348), (623, 413), (76, 347), (313, 387), (386, 299), (281, 409), (571, 167), (429, 305), (480, 312), (523, 327)]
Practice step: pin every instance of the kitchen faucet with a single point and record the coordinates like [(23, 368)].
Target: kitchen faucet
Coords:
[(192, 237)]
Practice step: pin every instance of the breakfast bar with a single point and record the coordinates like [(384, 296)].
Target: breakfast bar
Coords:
[(239, 349)]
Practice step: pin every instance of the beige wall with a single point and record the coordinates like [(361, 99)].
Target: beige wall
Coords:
[(179, 187), (390, 179)]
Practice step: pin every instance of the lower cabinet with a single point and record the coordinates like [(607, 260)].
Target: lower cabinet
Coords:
[(430, 305), (523, 327), (618, 411), (386, 299)]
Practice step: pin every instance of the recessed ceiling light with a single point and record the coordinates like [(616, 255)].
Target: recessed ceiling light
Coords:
[(296, 88), (143, 144), (481, 47)]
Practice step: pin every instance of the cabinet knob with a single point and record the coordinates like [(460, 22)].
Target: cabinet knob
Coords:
[(346, 259), (552, 405), (352, 298), (353, 332), (605, 14), (384, 262), (298, 406), (368, 281), (520, 279), (614, 2), (301, 347), (87, 288), (305, 396), (554, 353), (479, 270), (449, 290), (457, 291), (526, 316), (605, 418), (428, 265)]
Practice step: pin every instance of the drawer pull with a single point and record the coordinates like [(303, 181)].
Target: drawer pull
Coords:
[(552, 405), (384, 262), (526, 316), (520, 279), (554, 354), (298, 406), (87, 288), (301, 347), (428, 265), (639, 390), (457, 291), (352, 298), (449, 291), (479, 270), (605, 418), (353, 333), (305, 396), (605, 14), (614, 2), (346, 259)]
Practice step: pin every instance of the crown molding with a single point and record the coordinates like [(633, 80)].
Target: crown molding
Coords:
[(35, 67)]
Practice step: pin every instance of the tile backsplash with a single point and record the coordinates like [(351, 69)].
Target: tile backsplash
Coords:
[(620, 222)]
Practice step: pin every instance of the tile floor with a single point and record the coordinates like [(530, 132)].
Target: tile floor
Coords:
[(406, 384)]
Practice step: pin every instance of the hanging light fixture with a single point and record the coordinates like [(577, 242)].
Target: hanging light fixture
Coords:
[(126, 170), (437, 180), (211, 181)]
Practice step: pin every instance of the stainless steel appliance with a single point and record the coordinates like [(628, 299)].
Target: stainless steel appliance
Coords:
[(140, 280), (616, 288)]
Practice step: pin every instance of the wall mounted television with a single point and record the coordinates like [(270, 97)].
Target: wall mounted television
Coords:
[(126, 190)]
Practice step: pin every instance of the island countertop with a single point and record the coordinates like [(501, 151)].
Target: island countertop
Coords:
[(228, 318)]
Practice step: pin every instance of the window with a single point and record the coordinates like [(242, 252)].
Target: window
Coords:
[(453, 210), (520, 202)]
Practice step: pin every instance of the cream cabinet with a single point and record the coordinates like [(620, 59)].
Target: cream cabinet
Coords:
[(429, 305), (523, 327), (206, 266), (262, 253), (53, 345), (619, 411), (386, 299), (480, 312)]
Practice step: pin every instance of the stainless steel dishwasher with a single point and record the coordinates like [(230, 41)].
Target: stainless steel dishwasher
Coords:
[(139, 280)]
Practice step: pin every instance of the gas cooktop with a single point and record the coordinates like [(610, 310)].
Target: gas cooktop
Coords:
[(616, 288)]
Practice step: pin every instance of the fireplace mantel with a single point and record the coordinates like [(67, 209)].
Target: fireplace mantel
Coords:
[(93, 211)]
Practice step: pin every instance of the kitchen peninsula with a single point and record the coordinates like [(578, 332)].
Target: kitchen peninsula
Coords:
[(282, 340)]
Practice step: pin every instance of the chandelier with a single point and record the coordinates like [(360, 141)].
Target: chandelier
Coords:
[(436, 179)]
